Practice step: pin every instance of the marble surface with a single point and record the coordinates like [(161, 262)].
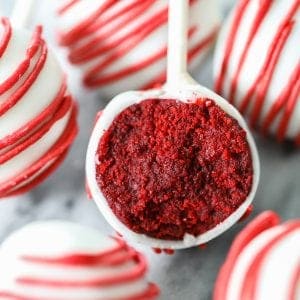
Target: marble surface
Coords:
[(188, 274)]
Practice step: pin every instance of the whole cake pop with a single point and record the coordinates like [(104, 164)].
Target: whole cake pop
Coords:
[(122, 45), (66, 261), (257, 65), (37, 113), (263, 262), (172, 167)]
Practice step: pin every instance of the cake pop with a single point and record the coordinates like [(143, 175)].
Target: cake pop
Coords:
[(67, 261), (257, 65), (122, 45), (172, 167), (37, 113), (263, 262)]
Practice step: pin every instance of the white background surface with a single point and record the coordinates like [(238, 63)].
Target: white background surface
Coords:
[(188, 274)]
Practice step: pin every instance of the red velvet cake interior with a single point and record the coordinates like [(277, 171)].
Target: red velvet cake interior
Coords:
[(168, 168)]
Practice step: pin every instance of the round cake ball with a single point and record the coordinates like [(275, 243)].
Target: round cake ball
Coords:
[(171, 169), (263, 262), (257, 65), (66, 261), (122, 45), (37, 114)]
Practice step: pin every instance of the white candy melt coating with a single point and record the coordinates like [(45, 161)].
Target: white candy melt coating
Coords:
[(187, 92), (257, 53), (39, 96), (56, 239), (205, 15), (42, 92), (30, 155), (274, 281)]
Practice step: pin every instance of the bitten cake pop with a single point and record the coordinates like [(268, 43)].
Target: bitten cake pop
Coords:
[(122, 45), (37, 113), (66, 261), (172, 167), (263, 262), (257, 65)]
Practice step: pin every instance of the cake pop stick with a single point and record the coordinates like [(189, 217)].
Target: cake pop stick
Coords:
[(37, 113), (177, 46), (172, 167)]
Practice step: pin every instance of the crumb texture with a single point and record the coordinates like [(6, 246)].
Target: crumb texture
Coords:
[(168, 168)]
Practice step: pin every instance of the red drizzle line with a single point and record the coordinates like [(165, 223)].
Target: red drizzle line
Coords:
[(31, 177), (134, 38), (6, 36), (109, 257), (67, 6), (263, 9), (287, 100), (103, 26), (119, 255), (32, 50), (263, 222), (262, 83), (150, 293), (79, 31), (250, 282), (194, 52), (37, 121), (239, 13), (295, 284), (27, 135), (17, 96), (94, 47), (134, 274)]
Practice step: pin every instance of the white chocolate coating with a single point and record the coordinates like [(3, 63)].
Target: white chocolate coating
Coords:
[(186, 93), (254, 65), (28, 107), (204, 18), (60, 240), (23, 141), (278, 277)]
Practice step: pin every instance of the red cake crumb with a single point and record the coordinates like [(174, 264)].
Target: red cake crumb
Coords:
[(168, 168)]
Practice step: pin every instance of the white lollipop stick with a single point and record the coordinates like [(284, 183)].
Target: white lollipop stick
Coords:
[(177, 42), (177, 74), (22, 12)]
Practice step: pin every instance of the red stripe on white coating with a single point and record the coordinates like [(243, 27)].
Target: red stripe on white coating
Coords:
[(28, 134), (250, 282), (117, 256), (97, 40), (251, 278), (254, 101), (263, 222)]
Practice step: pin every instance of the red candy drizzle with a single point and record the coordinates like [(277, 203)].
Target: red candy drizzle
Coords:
[(254, 99), (14, 144), (108, 46), (250, 282), (168, 168), (115, 257)]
